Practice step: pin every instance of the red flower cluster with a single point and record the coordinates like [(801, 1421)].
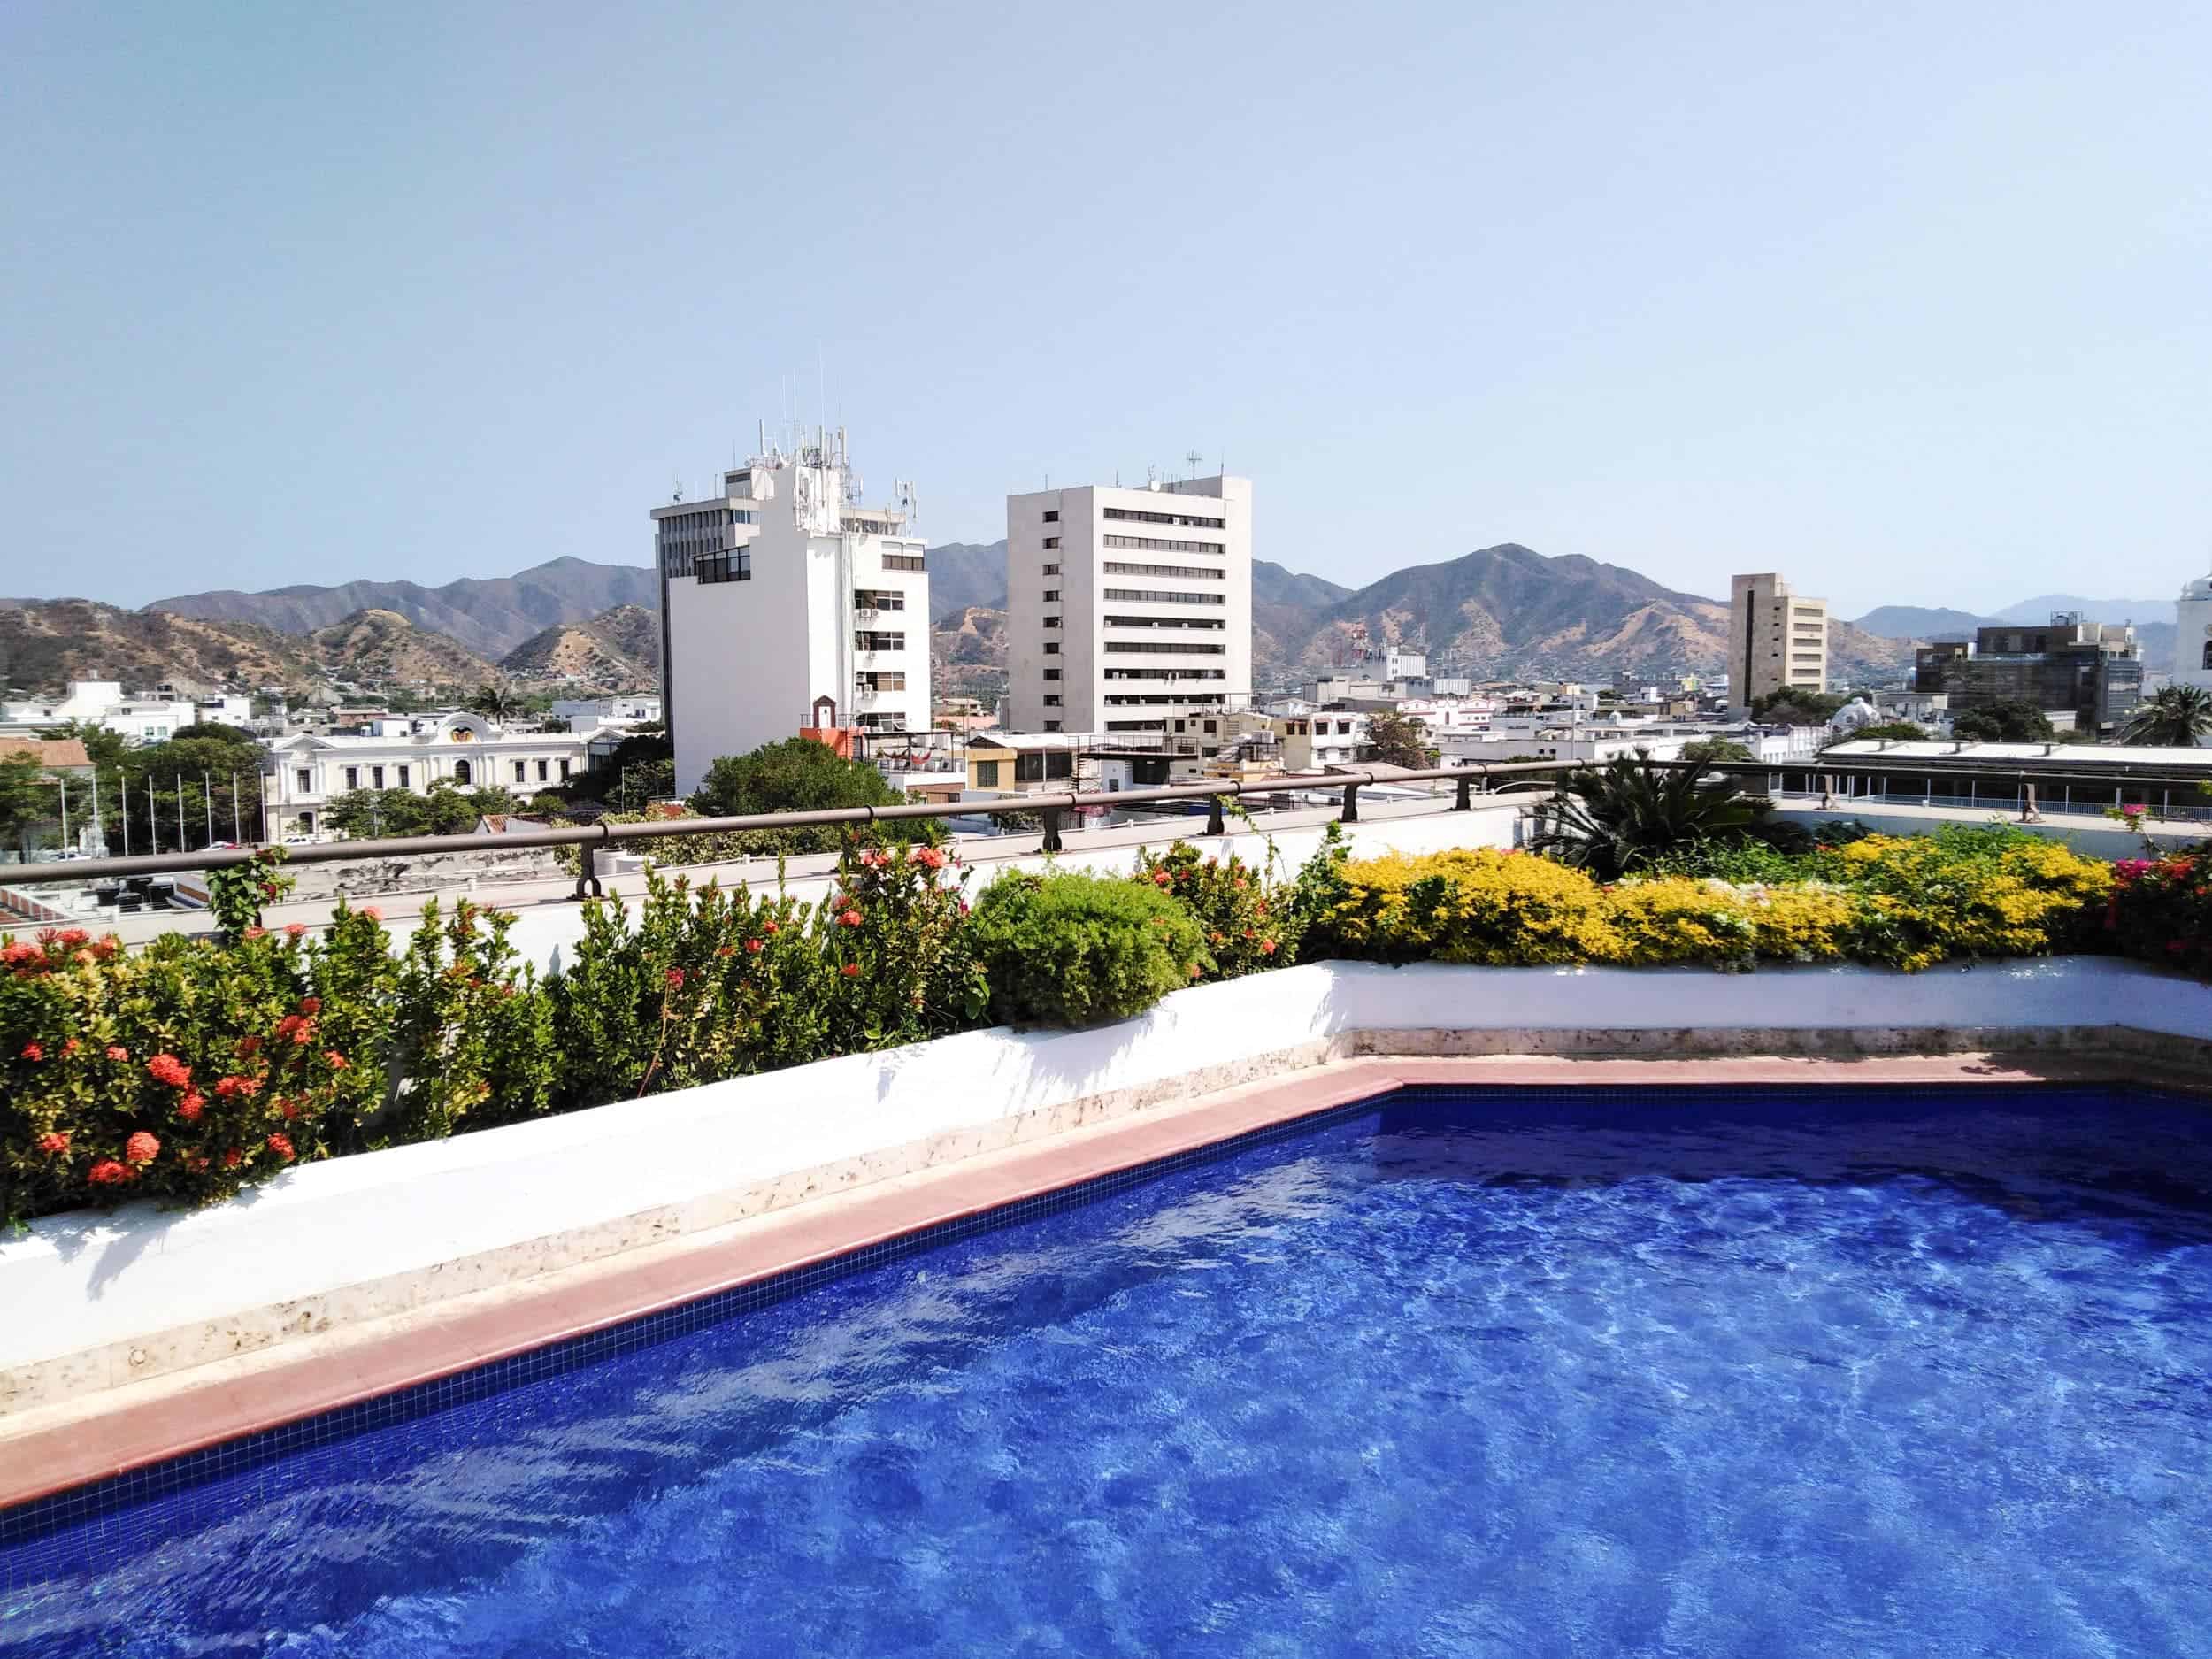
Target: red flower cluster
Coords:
[(33, 1051), (107, 1172), (230, 1088), (282, 1145), (191, 1106), (142, 1148), (166, 1068), (675, 979), (54, 1140), (849, 918)]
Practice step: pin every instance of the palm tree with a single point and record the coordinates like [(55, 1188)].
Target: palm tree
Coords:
[(2173, 717), (492, 702), (1612, 819)]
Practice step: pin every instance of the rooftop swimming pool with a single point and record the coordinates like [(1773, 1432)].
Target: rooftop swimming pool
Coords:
[(1596, 1371)]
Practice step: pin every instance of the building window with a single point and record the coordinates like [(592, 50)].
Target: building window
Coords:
[(304, 780), (1052, 540), (462, 773), (519, 776), (542, 771), (1161, 596), (1052, 570), (1052, 673), (1157, 544), (376, 777), (987, 774), (1052, 595), (564, 771), (353, 777), (866, 641), (1193, 572), (879, 599), (884, 681), (1052, 622), (902, 562), (403, 777), (733, 567), (1053, 515), (1052, 725), (1165, 517), (1052, 647), (1052, 702)]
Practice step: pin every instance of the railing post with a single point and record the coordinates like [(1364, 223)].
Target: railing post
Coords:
[(588, 872), (1351, 815), (2028, 814), (1215, 823), (1052, 829), (1466, 801)]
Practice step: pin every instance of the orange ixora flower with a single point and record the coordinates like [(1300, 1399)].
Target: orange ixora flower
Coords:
[(54, 1140), (142, 1148), (191, 1106), (282, 1145), (166, 1068), (107, 1172), (851, 970)]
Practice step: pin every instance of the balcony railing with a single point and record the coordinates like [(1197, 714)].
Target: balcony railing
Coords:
[(1475, 778)]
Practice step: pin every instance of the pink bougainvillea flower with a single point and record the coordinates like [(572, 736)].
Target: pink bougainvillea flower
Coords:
[(142, 1148)]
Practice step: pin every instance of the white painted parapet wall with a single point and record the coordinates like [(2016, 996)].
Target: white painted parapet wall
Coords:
[(93, 1299)]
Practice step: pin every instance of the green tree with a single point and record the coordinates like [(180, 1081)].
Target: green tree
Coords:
[(1793, 707), (2007, 722), (798, 775), (1622, 816), (171, 793), (493, 703), (2174, 717), (1399, 739), (105, 749), (1885, 731), (444, 809), (616, 780), (29, 798), (1713, 749)]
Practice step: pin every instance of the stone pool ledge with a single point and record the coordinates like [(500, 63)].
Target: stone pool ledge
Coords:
[(135, 1337)]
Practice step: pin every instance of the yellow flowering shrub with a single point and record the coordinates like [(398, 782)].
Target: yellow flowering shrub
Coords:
[(1971, 892), (1477, 906), (1801, 924), (1680, 918)]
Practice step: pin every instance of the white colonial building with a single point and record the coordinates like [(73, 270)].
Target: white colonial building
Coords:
[(786, 605), (467, 752)]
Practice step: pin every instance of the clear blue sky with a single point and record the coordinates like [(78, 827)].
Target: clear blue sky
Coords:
[(1913, 303)]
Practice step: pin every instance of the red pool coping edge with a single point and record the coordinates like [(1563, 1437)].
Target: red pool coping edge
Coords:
[(115, 1431)]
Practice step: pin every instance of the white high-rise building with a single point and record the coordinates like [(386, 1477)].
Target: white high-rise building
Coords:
[(781, 593), (2192, 634), (1127, 607)]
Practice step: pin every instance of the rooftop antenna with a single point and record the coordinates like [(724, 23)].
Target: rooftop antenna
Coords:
[(677, 493), (1193, 460)]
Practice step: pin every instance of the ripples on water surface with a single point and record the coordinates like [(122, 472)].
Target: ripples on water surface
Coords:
[(1603, 1373)]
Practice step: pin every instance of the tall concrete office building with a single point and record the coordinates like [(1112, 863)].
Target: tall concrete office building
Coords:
[(781, 591), (1127, 607), (1776, 639), (2192, 634)]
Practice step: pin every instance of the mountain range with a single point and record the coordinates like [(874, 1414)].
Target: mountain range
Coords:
[(1497, 611)]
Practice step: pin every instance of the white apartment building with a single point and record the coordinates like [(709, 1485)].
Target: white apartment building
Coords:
[(783, 598), (1775, 640), (1127, 607), (305, 773), (586, 715)]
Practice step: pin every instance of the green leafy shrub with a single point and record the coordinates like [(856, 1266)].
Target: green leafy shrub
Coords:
[(472, 1039), (895, 932), (1965, 892), (236, 893), (711, 983), (1076, 949), (1248, 923)]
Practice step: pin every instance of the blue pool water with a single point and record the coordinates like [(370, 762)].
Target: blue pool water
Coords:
[(1606, 1372)]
